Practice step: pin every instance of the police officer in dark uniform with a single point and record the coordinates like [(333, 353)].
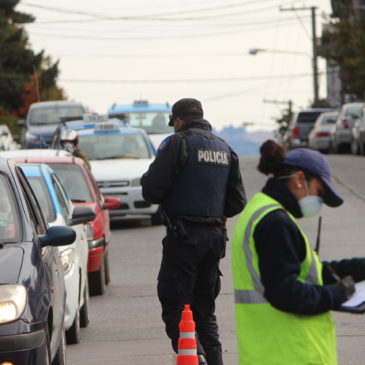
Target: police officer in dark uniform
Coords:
[(197, 182)]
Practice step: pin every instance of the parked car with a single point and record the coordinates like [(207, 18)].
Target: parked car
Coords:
[(119, 156), (358, 134), (341, 134), (42, 120), (58, 209), (300, 126), (82, 189), (153, 118), (32, 292), (320, 136)]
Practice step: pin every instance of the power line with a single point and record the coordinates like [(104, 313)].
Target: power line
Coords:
[(172, 81), (157, 37), (155, 17)]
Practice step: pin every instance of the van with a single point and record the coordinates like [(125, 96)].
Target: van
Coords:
[(300, 126), (43, 119)]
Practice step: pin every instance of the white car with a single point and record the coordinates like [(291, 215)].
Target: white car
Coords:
[(119, 156), (58, 210)]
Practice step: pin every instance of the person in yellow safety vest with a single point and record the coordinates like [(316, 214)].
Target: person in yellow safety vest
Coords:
[(283, 293)]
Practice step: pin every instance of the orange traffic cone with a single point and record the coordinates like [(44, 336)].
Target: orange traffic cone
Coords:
[(187, 351)]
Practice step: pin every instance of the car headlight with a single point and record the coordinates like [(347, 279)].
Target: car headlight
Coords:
[(136, 182), (89, 232), (31, 137), (67, 259), (12, 302)]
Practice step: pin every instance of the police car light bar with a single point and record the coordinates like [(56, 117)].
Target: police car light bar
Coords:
[(94, 118), (107, 126), (140, 103)]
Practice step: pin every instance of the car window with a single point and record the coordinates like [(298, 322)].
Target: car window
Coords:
[(52, 115), (9, 219), (62, 199), (43, 196), (73, 180), (353, 110), (114, 146), (307, 117), (151, 122), (37, 218), (328, 119)]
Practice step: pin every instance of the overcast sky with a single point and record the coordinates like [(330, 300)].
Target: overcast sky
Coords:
[(162, 50)]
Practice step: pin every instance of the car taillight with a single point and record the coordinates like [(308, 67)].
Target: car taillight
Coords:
[(322, 134), (345, 123), (296, 133)]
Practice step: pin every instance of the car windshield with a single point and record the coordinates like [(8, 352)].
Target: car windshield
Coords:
[(53, 115), (354, 111), (151, 122), (308, 117), (9, 221), (42, 194), (74, 181), (114, 146), (328, 119)]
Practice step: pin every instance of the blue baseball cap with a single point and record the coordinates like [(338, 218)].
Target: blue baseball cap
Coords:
[(314, 162)]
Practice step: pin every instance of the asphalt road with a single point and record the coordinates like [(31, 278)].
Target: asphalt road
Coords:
[(125, 325)]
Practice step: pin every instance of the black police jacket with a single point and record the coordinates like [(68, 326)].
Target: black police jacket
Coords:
[(195, 175)]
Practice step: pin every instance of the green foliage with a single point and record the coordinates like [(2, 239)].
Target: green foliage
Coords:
[(22, 70), (344, 45)]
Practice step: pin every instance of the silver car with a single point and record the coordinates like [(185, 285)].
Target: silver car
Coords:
[(341, 134), (320, 136)]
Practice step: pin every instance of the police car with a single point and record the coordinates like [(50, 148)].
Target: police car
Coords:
[(153, 118), (119, 155)]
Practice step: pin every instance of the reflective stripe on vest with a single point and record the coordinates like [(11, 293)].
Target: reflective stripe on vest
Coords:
[(257, 294)]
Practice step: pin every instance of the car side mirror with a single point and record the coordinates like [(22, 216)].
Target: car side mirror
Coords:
[(58, 236), (112, 202), (21, 124), (81, 214)]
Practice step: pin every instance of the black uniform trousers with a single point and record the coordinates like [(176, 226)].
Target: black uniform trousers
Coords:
[(189, 274)]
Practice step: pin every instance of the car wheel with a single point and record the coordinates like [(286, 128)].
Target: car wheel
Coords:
[(73, 333), (84, 311), (97, 280), (156, 219), (107, 268), (362, 149), (60, 358)]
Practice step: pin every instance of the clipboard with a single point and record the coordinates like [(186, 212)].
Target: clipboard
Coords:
[(356, 304)]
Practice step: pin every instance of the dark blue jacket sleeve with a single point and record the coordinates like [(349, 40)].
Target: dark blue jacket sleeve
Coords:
[(235, 195), (281, 249), (158, 180)]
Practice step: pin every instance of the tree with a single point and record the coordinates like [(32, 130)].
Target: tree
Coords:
[(21, 69), (343, 43)]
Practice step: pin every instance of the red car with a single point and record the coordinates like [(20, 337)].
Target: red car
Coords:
[(80, 184)]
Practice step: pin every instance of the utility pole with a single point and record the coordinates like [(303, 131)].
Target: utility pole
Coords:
[(314, 49), (289, 102)]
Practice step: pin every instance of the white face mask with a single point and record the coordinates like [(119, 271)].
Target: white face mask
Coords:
[(311, 204)]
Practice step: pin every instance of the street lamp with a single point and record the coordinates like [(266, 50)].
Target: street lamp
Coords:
[(255, 51)]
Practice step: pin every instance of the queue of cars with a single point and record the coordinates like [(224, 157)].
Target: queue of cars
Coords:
[(55, 219), (328, 130)]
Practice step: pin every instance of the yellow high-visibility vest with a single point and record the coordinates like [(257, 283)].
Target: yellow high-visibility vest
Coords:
[(266, 335)]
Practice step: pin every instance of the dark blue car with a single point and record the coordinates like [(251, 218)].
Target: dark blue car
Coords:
[(32, 293)]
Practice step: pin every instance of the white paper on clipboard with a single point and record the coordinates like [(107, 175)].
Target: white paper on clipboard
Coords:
[(358, 297)]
